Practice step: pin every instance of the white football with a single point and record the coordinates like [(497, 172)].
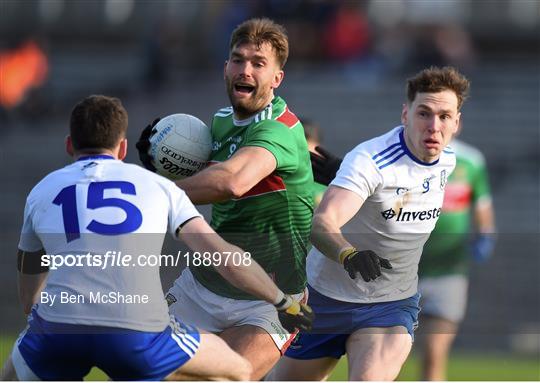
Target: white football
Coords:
[(180, 146)]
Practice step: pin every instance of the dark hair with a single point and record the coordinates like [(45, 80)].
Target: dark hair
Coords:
[(259, 31), (98, 122), (435, 79)]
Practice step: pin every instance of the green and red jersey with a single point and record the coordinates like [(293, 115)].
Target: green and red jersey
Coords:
[(447, 250), (272, 221)]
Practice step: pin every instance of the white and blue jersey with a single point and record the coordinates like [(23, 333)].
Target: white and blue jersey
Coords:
[(402, 201), (95, 206)]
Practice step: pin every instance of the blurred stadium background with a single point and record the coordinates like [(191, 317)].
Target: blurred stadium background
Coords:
[(347, 70)]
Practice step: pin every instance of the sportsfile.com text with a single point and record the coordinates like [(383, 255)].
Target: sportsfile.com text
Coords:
[(118, 259)]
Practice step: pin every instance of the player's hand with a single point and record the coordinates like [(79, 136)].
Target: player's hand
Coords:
[(365, 262), (325, 165), (144, 144), (295, 316), (482, 247)]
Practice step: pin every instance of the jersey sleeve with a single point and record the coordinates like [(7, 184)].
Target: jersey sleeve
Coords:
[(358, 174), (29, 240), (278, 140), (182, 209)]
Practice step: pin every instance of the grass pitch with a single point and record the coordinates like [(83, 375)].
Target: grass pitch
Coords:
[(462, 366)]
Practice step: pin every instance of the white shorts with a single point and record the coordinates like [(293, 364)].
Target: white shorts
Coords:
[(200, 307), (444, 297)]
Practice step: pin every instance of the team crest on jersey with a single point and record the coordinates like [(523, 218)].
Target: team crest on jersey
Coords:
[(444, 179)]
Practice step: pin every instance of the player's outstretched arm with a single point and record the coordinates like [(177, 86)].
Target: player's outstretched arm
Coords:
[(337, 207), (231, 178), (246, 275)]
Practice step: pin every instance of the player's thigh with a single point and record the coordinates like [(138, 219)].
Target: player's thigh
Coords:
[(377, 353), (214, 360), (8, 371), (302, 369), (256, 345)]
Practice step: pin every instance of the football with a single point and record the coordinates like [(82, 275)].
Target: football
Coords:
[(180, 145)]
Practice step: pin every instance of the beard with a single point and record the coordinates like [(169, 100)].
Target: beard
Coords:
[(250, 105)]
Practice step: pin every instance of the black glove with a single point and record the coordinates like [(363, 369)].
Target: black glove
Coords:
[(144, 144), (365, 262), (295, 316), (325, 165)]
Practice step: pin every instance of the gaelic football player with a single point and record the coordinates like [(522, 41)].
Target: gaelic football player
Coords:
[(259, 184), (100, 206), (363, 289)]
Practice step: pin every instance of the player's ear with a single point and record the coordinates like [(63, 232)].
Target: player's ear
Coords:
[(69, 146), (458, 123), (404, 114), (122, 149), (225, 69), (278, 78)]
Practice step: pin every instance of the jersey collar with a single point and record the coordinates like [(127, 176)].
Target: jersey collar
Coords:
[(245, 122), (96, 157), (249, 120)]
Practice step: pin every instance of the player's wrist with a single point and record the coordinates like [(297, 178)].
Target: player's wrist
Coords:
[(285, 302), (279, 298), (345, 253)]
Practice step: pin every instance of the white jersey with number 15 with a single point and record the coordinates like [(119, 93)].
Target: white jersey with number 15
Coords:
[(98, 206)]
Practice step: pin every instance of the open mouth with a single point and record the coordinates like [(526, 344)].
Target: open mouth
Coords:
[(244, 88), (431, 142)]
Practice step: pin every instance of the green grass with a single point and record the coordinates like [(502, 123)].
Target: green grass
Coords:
[(462, 366), (470, 367)]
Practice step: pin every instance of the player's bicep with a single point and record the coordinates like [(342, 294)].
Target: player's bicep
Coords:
[(338, 206)]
